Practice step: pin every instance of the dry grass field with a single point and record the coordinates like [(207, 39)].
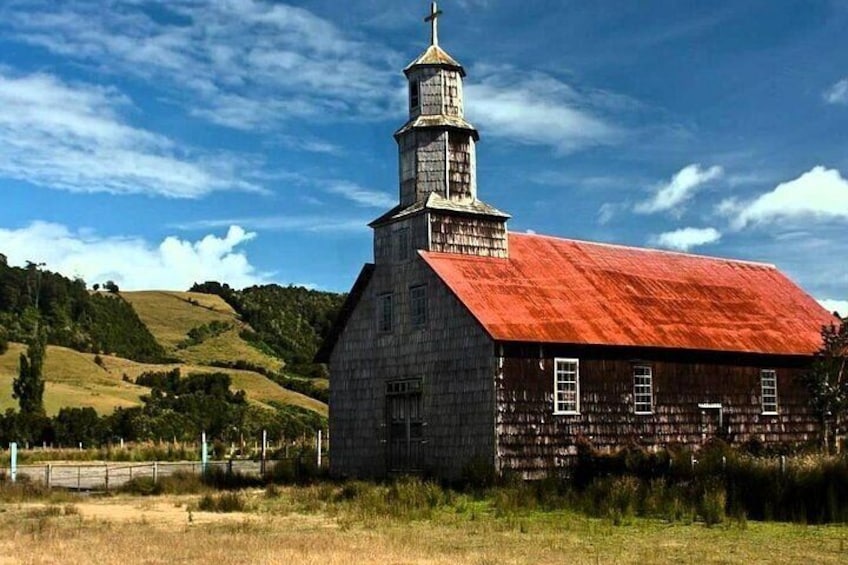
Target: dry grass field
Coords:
[(306, 525)]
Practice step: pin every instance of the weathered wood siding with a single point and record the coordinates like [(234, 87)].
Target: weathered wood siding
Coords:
[(462, 169), (451, 355), (410, 232), (468, 235), (532, 440), (440, 92)]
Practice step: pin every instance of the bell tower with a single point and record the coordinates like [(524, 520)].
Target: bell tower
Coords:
[(438, 207)]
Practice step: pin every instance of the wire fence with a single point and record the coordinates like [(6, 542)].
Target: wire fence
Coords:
[(113, 475)]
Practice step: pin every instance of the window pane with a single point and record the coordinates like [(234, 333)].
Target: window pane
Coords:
[(768, 386), (384, 313), (566, 385), (418, 306)]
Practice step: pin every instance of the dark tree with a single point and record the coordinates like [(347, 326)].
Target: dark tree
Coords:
[(827, 384), (111, 286), (28, 387), (4, 340)]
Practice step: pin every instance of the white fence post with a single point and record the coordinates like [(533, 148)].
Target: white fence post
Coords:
[(319, 449), (13, 471)]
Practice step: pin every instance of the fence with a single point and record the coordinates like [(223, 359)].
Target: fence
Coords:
[(112, 475)]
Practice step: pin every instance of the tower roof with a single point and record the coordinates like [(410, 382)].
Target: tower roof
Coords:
[(435, 56)]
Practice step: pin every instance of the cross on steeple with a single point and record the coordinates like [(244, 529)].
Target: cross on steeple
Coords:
[(434, 23)]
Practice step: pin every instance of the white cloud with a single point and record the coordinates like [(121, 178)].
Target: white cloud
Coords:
[(820, 193), (242, 63), (133, 263), (679, 189), (686, 238), (838, 306), (537, 109), (838, 93), (73, 137), (361, 196)]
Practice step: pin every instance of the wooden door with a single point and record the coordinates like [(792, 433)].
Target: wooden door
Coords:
[(405, 426)]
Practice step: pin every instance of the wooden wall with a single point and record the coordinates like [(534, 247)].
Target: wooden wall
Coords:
[(532, 440), (451, 355), (471, 235)]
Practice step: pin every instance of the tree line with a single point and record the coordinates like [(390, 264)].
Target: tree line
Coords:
[(63, 312), (290, 322), (176, 409)]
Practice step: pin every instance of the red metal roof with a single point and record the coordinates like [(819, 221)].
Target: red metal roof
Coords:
[(555, 290)]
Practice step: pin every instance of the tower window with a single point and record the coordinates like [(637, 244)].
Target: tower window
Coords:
[(385, 312), (402, 253), (418, 306), (414, 94)]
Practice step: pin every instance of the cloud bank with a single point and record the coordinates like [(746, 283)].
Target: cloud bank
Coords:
[(74, 137), (133, 263)]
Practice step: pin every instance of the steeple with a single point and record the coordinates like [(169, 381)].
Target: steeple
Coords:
[(437, 160)]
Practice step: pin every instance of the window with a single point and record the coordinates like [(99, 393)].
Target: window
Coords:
[(643, 390), (768, 386), (414, 94), (384, 312), (403, 244), (566, 386), (418, 306)]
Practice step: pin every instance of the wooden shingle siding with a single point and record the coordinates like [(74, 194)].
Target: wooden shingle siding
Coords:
[(462, 172), (451, 355), (534, 442), (470, 236)]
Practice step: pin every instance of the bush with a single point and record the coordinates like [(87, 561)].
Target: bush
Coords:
[(224, 502)]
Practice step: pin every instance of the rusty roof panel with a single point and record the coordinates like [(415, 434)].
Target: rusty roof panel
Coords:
[(566, 291)]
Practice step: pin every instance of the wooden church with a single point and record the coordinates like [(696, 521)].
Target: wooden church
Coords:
[(464, 344)]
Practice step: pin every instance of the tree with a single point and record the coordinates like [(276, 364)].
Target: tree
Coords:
[(827, 384), (111, 286), (4, 340), (28, 387)]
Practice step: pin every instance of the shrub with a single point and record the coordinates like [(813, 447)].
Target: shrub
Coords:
[(224, 502)]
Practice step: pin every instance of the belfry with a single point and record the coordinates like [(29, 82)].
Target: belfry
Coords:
[(438, 207)]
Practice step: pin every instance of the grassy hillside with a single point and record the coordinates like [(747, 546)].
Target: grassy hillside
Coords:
[(170, 316), (74, 379)]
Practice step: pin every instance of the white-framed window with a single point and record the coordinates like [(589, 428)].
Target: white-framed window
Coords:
[(566, 386), (643, 389), (768, 390), (414, 94), (418, 306), (402, 244), (385, 312)]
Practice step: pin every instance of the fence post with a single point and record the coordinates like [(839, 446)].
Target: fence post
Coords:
[(782, 464), (13, 465), (155, 472), (79, 477), (47, 473), (106, 468), (204, 454), (264, 447), (319, 449)]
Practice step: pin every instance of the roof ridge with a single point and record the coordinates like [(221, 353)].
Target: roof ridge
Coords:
[(650, 249)]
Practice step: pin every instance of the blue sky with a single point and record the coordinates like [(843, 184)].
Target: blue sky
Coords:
[(249, 142)]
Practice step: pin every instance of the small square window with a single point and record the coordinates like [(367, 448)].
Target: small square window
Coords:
[(566, 386), (418, 306), (768, 389), (643, 389), (385, 312)]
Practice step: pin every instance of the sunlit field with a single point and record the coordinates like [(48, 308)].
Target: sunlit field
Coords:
[(363, 523)]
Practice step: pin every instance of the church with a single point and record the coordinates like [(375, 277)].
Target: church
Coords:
[(464, 344)]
